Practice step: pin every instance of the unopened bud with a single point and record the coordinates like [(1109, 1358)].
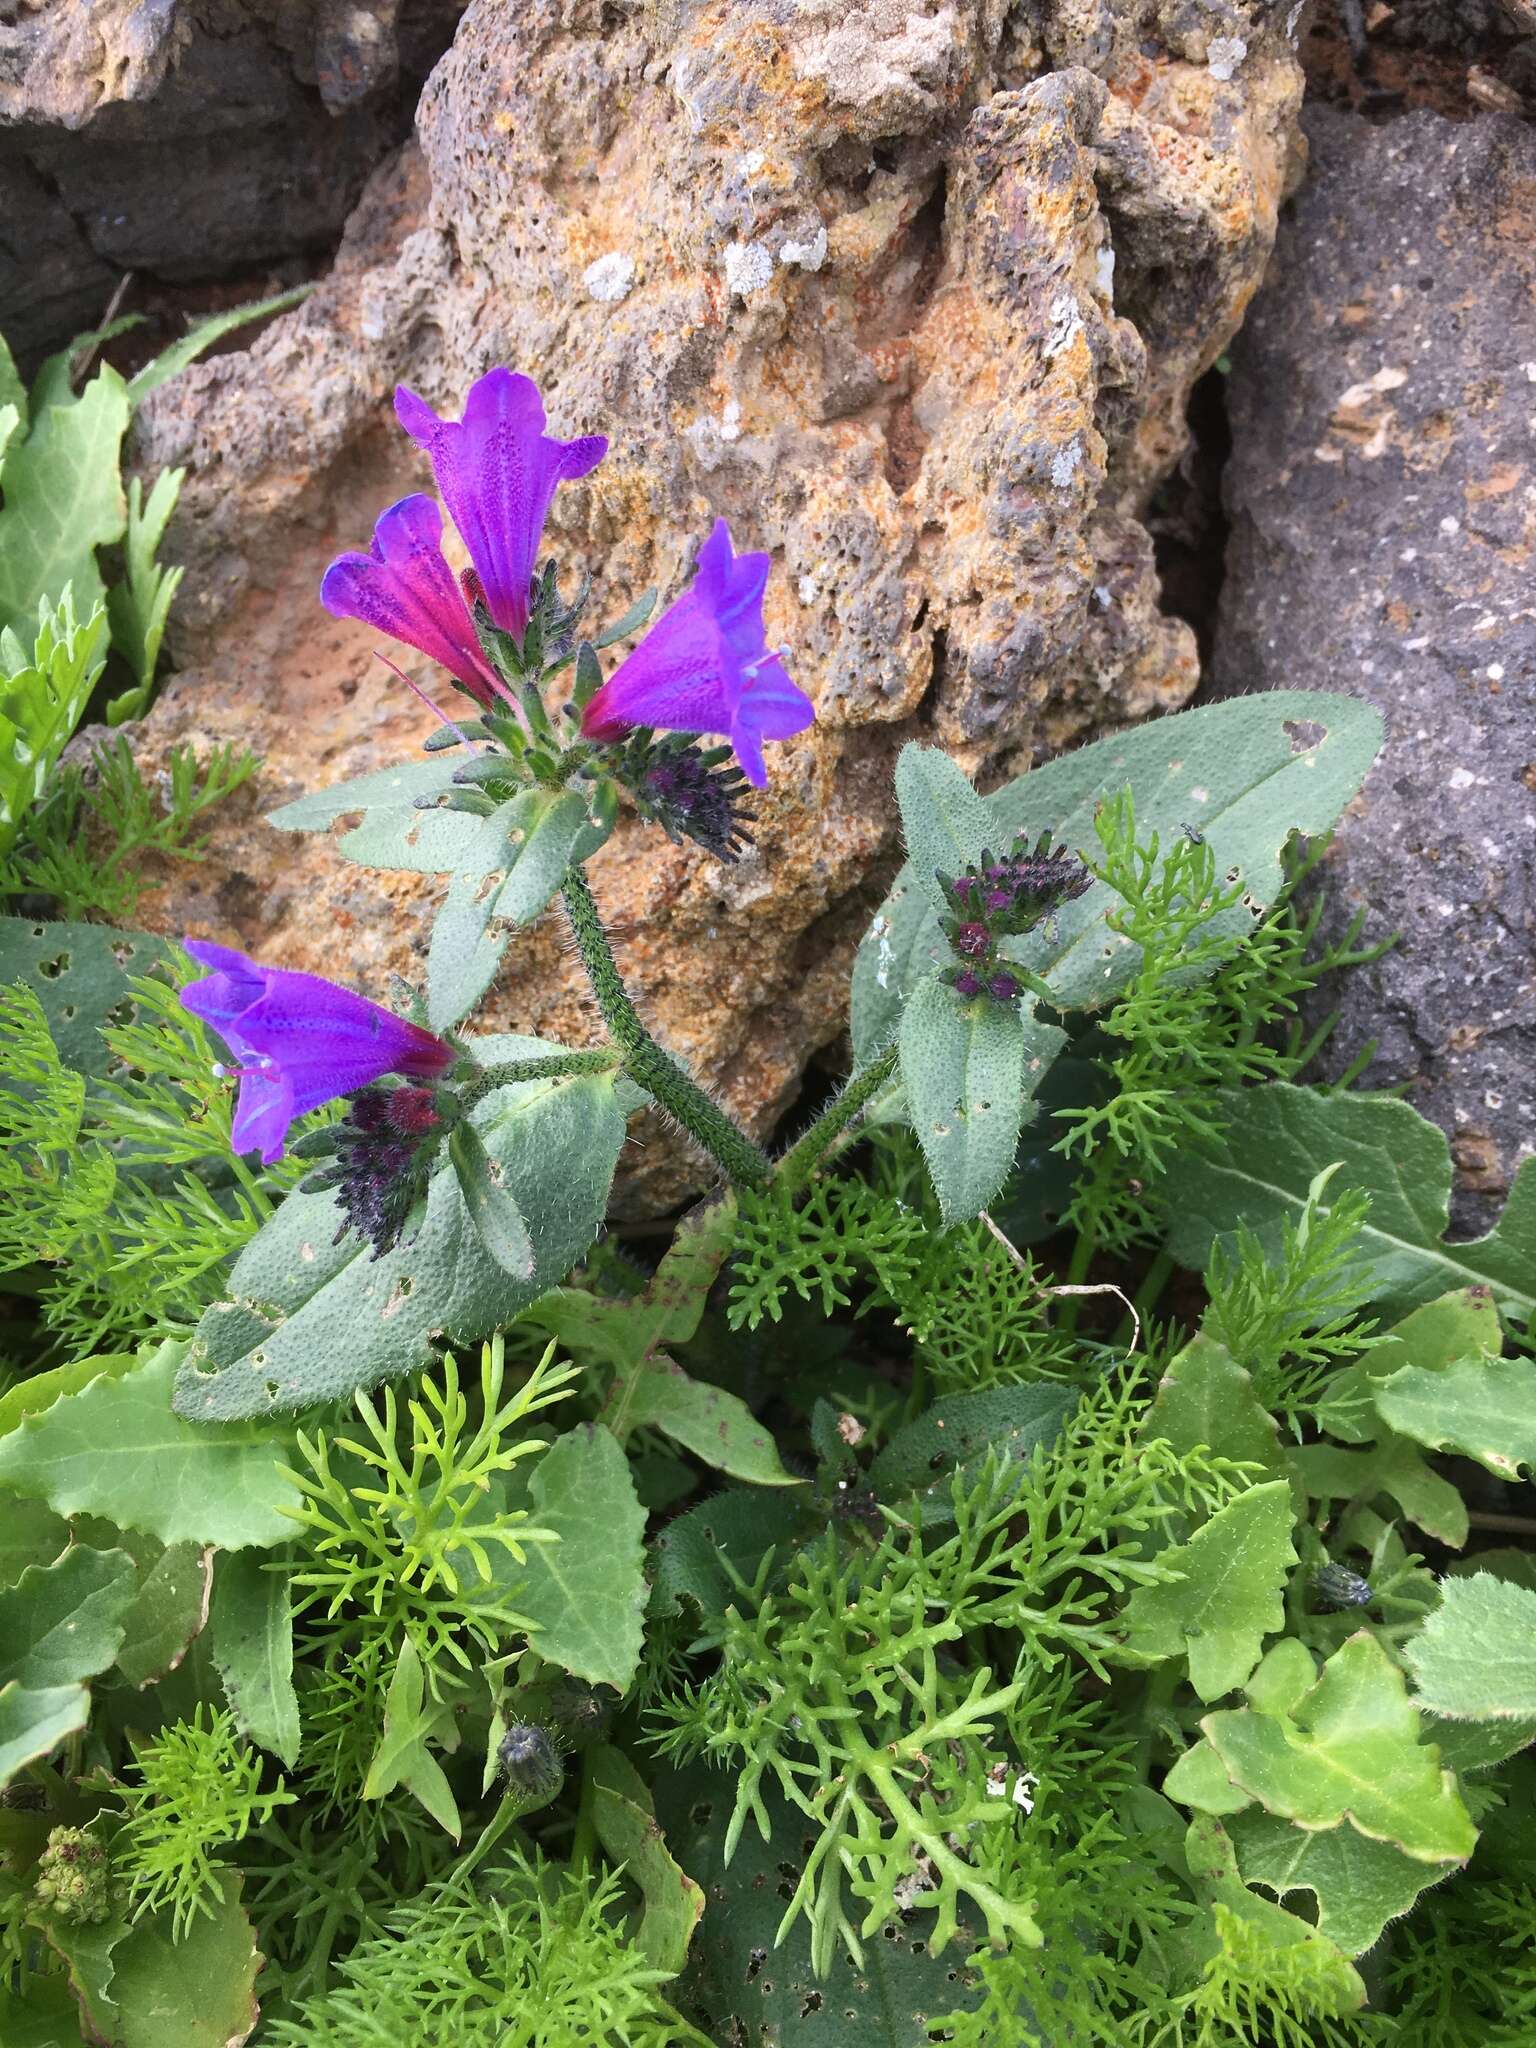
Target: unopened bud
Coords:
[(530, 1763)]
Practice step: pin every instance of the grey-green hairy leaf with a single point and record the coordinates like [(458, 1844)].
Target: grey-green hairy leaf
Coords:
[(945, 823), (1475, 1657), (312, 1320), (968, 1068), (1246, 774)]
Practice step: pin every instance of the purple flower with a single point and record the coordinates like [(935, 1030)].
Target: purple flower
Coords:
[(300, 1041), (498, 471), (405, 588), (705, 666)]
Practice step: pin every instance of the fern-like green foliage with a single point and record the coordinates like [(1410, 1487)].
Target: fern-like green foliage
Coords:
[(198, 1791), (860, 1690), (1293, 1320), (1203, 1011), (85, 842), (127, 1194), (844, 1232), (529, 1957), (407, 1526)]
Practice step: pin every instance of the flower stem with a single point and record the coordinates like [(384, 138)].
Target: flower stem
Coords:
[(805, 1155), (743, 1163), (555, 1066)]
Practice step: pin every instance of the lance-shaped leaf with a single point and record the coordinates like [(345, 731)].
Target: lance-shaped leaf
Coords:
[(1475, 1657), (968, 1068), (1349, 1751), (1246, 774), (1229, 1594), (253, 1649), (672, 1904), (586, 1593), (411, 1722), (924, 1455), (313, 1320), (59, 1625), (1392, 1467), (491, 1204), (392, 831), (169, 1608), (946, 825), (116, 1449), (468, 942), (1482, 1407), (140, 604), (1277, 1139), (715, 1425), (1359, 1884)]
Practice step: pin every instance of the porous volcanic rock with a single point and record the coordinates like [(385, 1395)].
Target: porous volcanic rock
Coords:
[(1382, 491), (912, 291)]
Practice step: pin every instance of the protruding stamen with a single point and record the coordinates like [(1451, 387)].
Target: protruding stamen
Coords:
[(396, 669), (768, 654)]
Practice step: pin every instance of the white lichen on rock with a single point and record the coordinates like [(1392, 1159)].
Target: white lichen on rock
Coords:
[(610, 277), (748, 267), (1223, 54), (806, 255)]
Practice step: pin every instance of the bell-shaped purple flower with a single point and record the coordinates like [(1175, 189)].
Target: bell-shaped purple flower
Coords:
[(498, 471), (405, 588), (705, 666), (300, 1041)]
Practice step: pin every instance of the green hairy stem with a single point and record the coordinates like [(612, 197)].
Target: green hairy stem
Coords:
[(743, 1163), (807, 1153), (556, 1066)]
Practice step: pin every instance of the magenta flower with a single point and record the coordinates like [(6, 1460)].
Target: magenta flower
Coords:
[(705, 666), (405, 588), (300, 1041), (498, 471)]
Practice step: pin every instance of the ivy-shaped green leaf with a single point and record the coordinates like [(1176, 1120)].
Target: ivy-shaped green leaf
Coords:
[(1359, 1884), (1349, 1751), (1228, 1597)]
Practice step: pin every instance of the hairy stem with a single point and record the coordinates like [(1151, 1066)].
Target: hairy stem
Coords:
[(742, 1162), (805, 1155), (554, 1066)]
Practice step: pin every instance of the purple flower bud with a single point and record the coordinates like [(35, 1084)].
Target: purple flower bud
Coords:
[(961, 888), (971, 939), (967, 983), (705, 666), (300, 1040), (998, 899), (1003, 987)]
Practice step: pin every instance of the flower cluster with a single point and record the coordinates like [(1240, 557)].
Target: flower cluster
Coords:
[(384, 1147), (1004, 898), (689, 791)]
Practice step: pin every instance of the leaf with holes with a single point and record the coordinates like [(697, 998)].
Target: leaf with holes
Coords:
[(80, 975), (1485, 1408), (1359, 1884), (924, 1455), (1246, 774), (1278, 1138), (313, 1320)]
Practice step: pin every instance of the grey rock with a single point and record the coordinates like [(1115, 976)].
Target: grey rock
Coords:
[(1382, 491), (189, 142)]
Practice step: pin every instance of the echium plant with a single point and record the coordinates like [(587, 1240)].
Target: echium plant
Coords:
[(476, 1169)]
